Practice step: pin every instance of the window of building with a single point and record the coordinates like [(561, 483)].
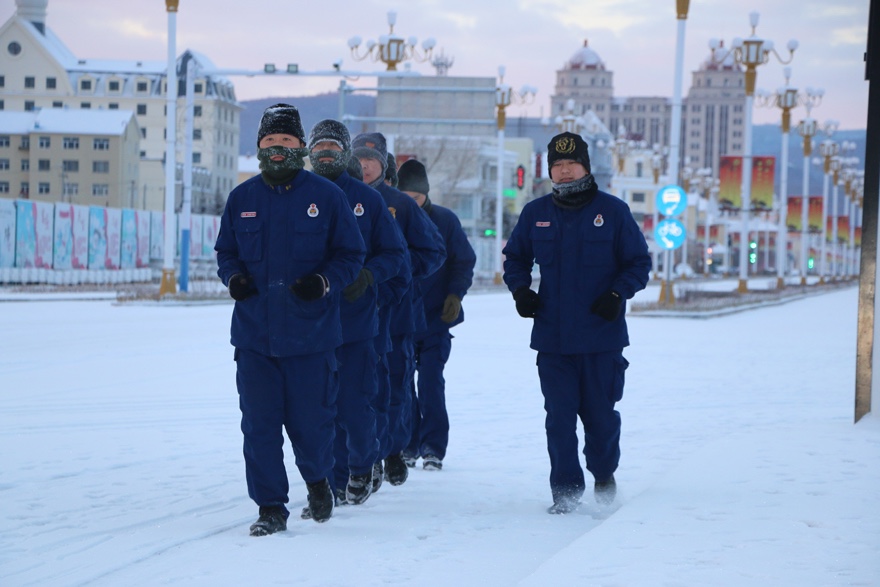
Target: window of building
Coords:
[(25, 164), (100, 189), (30, 82), (638, 197), (43, 187), (113, 106), (4, 164), (70, 165), (142, 87), (14, 48), (141, 109), (70, 142), (143, 133), (2, 105), (640, 169), (198, 88), (85, 105), (51, 83), (85, 85), (43, 165), (101, 144), (25, 189), (197, 110), (4, 187), (100, 167), (70, 189), (29, 105), (2, 81), (45, 142), (197, 157), (25, 143), (57, 104), (4, 140), (143, 154), (113, 85), (197, 134)]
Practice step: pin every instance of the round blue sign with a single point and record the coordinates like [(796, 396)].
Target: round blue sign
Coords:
[(671, 200), (670, 234)]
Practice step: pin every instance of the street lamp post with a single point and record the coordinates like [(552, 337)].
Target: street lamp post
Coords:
[(807, 129), (168, 285), (504, 97), (751, 53), (392, 49), (785, 99), (828, 149)]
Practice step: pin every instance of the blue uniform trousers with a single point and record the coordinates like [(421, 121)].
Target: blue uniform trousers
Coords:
[(296, 394), (430, 420), (584, 386), (400, 374), (356, 447), (382, 405)]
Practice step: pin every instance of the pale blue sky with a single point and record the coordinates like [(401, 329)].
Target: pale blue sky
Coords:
[(532, 38)]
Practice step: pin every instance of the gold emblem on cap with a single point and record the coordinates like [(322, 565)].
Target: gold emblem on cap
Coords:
[(565, 145)]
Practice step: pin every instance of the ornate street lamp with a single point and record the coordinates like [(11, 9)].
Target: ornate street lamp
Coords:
[(504, 97), (392, 49), (570, 122), (785, 99), (169, 283), (751, 53), (807, 129), (828, 149)]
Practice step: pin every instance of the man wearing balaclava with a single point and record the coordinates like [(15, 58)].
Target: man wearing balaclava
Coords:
[(426, 253), (592, 257), (288, 246), (442, 294), (356, 447)]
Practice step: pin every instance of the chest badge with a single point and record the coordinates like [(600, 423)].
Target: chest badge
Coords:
[(313, 210), (542, 224), (598, 220), (359, 209), (248, 214), (393, 211)]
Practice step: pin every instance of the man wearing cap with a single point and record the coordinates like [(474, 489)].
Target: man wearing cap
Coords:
[(357, 446), (426, 253), (442, 295), (288, 245), (592, 257)]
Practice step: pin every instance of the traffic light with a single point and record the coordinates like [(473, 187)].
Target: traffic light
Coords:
[(520, 177), (489, 232), (753, 252), (810, 263)]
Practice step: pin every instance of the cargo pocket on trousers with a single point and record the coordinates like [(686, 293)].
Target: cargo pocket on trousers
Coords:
[(620, 365)]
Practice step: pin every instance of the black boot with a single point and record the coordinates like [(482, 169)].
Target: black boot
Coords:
[(320, 500), (396, 470), (605, 491), (359, 488), (272, 519), (378, 475)]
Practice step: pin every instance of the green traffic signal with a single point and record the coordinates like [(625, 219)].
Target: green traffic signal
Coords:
[(489, 232), (810, 263)]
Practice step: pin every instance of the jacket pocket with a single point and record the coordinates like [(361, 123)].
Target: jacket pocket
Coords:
[(249, 238), (310, 241), (543, 244), (598, 249)]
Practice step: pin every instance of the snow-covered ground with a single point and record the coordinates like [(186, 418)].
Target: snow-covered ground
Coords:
[(121, 460)]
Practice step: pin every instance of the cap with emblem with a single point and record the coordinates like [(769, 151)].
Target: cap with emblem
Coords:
[(568, 146)]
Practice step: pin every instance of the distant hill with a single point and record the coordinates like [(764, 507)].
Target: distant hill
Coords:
[(312, 109)]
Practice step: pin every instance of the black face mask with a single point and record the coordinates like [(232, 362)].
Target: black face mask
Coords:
[(277, 172), (329, 169)]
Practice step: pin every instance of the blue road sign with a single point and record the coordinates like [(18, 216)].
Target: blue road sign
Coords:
[(670, 233), (671, 200)]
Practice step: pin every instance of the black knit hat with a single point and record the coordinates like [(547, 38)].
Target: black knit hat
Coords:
[(371, 145), (413, 177), (568, 146), (281, 119), (354, 168), (330, 130), (391, 170)]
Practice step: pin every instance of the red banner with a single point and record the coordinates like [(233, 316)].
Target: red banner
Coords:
[(730, 188), (795, 214), (763, 174), (843, 229), (814, 222), (730, 178)]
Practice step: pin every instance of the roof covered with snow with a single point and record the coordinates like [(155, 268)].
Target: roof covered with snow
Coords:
[(61, 120), (585, 58)]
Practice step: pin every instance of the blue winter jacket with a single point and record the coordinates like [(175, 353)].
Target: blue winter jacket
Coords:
[(456, 274), (277, 235), (386, 251), (582, 253), (426, 252)]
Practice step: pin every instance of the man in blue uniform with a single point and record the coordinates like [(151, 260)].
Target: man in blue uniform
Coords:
[(426, 253), (592, 257), (442, 294), (357, 445), (288, 245)]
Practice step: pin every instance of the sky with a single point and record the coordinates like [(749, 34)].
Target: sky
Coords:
[(740, 466), (532, 39)]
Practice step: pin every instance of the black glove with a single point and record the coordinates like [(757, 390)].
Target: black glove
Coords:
[(241, 287), (451, 308), (356, 288), (527, 302), (311, 287), (607, 306)]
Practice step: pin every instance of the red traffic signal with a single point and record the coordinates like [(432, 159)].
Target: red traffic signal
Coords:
[(520, 176)]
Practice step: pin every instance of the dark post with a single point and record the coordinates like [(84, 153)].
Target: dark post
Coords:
[(868, 264)]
